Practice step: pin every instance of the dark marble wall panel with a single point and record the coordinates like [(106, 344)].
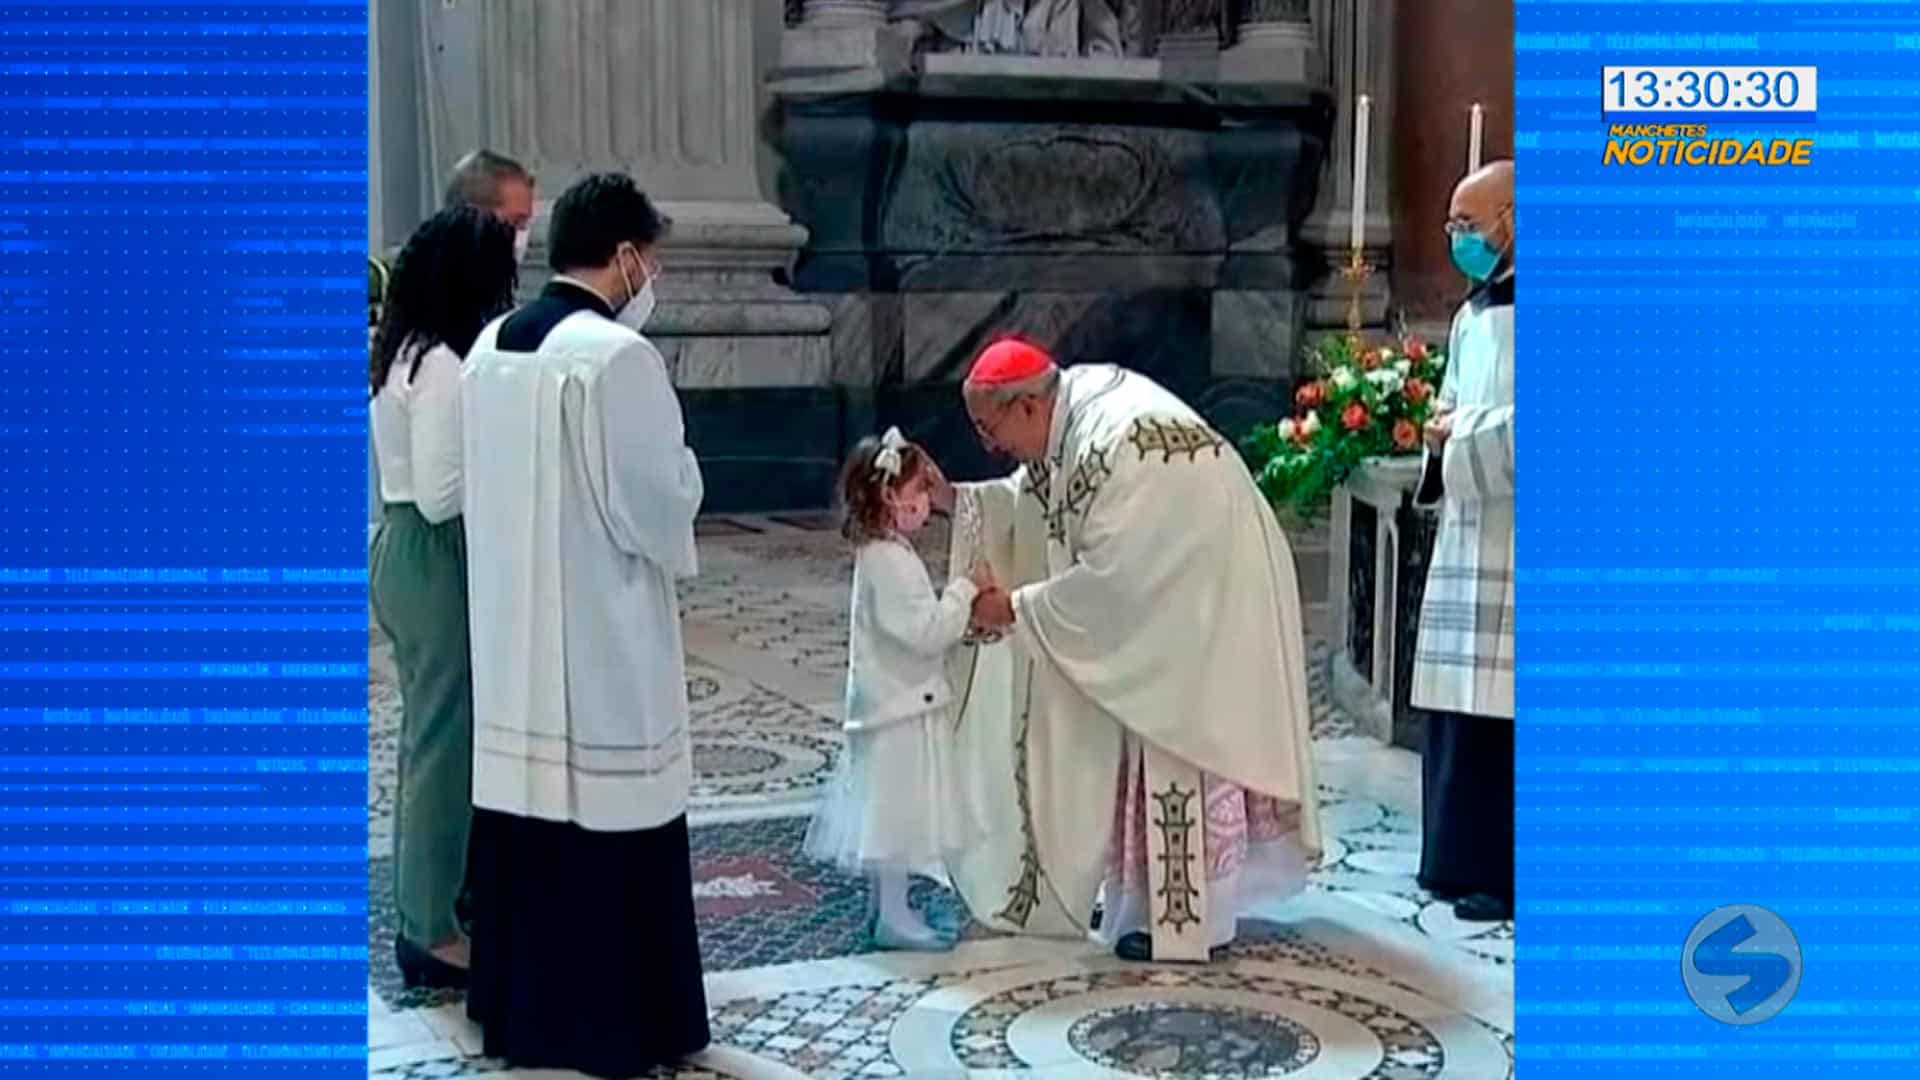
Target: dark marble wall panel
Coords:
[(866, 340), (998, 186), (1150, 224), (766, 449), (1362, 536), (1257, 333), (1007, 187), (1417, 531), (839, 155), (944, 331)]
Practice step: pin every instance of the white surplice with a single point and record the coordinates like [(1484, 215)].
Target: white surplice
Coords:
[(1464, 659), (581, 495), (1158, 624)]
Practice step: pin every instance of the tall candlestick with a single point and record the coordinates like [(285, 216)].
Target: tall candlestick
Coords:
[(1359, 237), (1473, 138)]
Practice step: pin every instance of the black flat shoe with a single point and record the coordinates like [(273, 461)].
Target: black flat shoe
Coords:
[(421, 970), (1137, 947), (1482, 908)]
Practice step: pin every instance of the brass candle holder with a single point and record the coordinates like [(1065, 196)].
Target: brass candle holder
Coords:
[(1356, 272)]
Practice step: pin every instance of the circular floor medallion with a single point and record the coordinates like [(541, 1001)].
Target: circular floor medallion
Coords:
[(1307, 1024), (1170, 1039), (753, 764), (727, 761)]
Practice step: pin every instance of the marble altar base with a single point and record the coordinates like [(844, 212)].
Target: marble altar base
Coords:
[(1376, 576)]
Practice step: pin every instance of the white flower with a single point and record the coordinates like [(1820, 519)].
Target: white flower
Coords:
[(1311, 425), (1386, 380), (1386, 354), (1403, 366), (1287, 429), (1342, 378)]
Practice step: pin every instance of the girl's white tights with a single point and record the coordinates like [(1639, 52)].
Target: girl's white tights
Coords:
[(896, 925)]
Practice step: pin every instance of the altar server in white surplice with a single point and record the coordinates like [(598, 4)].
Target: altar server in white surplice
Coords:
[(1463, 664), (1145, 720), (581, 495)]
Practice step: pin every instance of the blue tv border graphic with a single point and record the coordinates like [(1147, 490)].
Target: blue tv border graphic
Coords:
[(1719, 660), (182, 585)]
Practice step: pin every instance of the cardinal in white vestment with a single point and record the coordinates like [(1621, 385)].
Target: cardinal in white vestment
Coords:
[(581, 496), (1145, 717), (1463, 663)]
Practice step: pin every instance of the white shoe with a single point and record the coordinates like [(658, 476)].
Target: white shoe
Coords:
[(915, 936)]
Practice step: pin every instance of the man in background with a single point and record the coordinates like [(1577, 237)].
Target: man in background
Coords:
[(1463, 664), (499, 184)]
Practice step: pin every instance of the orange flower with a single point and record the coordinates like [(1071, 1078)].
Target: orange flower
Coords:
[(1369, 359), (1311, 396), (1405, 435), (1415, 349), (1355, 417), (1416, 390)]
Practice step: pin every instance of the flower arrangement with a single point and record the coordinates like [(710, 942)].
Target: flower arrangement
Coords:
[(1368, 401)]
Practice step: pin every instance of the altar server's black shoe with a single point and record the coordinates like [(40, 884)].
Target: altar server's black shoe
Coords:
[(1481, 907)]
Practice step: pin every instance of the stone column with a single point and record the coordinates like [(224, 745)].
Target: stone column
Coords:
[(1272, 41), (666, 91), (1357, 37), (1452, 53)]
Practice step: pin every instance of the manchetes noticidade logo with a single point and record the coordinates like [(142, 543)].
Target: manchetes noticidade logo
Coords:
[(1688, 145)]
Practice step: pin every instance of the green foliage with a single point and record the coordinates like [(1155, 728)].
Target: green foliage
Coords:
[(1366, 401)]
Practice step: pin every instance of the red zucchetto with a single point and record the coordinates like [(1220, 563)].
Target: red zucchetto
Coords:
[(1008, 361)]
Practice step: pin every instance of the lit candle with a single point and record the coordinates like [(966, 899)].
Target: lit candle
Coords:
[(1359, 238), (1473, 138)]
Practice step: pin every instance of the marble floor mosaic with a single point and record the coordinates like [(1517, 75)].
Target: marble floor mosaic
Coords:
[(1364, 975)]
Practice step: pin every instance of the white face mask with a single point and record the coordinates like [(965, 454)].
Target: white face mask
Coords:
[(639, 307), (522, 240)]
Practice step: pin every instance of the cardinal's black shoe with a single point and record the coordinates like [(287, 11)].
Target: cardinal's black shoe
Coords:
[(1138, 947)]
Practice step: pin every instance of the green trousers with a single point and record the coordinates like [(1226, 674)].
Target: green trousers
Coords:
[(418, 590)]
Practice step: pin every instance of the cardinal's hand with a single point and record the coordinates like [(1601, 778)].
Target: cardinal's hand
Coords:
[(993, 609)]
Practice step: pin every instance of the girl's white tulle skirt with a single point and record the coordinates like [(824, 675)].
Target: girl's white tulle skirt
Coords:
[(896, 800)]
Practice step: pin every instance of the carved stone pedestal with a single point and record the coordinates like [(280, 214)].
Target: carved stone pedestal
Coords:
[(1098, 205), (1376, 578)]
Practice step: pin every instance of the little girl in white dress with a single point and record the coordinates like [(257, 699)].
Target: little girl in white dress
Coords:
[(895, 806)]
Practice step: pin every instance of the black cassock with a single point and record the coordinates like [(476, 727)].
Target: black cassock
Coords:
[(1467, 807)]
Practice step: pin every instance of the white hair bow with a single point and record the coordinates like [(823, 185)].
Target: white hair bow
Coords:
[(888, 459)]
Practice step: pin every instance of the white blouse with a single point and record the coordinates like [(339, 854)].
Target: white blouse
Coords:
[(416, 434)]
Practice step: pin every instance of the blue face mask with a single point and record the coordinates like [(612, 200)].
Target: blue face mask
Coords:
[(1474, 256)]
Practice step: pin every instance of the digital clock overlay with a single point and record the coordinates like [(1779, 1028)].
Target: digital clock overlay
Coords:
[(1719, 660)]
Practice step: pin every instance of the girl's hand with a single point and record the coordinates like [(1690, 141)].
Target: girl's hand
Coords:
[(982, 577)]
